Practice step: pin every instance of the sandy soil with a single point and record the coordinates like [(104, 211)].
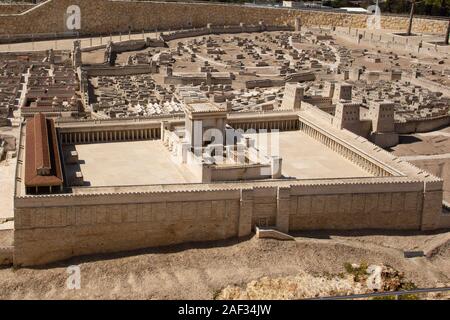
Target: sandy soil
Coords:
[(200, 271)]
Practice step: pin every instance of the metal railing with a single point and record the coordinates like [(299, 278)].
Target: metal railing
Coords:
[(396, 294)]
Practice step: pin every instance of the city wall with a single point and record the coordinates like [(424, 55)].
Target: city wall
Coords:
[(392, 41), (104, 70), (105, 16), (422, 125), (57, 227), (225, 29)]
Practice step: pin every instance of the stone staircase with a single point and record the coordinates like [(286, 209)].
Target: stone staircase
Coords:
[(267, 233)]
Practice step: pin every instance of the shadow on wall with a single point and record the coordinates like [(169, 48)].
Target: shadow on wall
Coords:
[(154, 250)]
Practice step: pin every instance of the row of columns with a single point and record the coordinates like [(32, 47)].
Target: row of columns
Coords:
[(44, 189), (108, 136), (354, 157), (282, 125)]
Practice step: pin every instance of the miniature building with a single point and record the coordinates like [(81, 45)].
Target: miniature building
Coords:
[(347, 116), (383, 126), (382, 115), (43, 165), (329, 88), (293, 96), (342, 91), (200, 118)]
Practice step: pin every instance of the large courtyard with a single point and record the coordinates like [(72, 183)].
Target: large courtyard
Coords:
[(149, 162), (306, 158)]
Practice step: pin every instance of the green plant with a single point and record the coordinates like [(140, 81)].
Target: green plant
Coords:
[(359, 273)]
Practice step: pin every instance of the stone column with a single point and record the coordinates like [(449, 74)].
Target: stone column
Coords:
[(432, 205), (245, 213), (283, 209)]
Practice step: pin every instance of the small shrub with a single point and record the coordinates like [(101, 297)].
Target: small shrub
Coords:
[(359, 273)]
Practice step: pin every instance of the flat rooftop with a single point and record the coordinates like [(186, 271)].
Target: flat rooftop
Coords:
[(306, 158), (127, 163), (204, 107)]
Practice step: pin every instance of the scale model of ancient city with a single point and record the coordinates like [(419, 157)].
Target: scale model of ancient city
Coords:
[(135, 125)]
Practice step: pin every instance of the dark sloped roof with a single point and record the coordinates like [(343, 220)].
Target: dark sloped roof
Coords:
[(42, 158)]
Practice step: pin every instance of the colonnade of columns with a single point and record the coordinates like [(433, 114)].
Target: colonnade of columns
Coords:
[(351, 155), (282, 125), (110, 135)]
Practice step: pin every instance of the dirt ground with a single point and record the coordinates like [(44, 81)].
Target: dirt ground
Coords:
[(200, 271)]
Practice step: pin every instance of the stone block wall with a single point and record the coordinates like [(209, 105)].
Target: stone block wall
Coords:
[(422, 125), (395, 211), (6, 255), (52, 228), (59, 230), (394, 206), (105, 16)]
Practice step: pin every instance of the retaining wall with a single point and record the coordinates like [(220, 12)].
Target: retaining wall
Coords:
[(423, 125), (56, 227), (105, 16)]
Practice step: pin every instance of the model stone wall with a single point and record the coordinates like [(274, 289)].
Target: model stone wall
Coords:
[(422, 125), (104, 16), (399, 210), (52, 232), (51, 228)]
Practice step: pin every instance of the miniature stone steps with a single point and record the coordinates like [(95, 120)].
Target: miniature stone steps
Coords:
[(265, 233)]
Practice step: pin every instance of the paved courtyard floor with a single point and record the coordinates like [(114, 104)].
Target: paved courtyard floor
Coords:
[(128, 163), (305, 158), (7, 174), (7, 170), (149, 162)]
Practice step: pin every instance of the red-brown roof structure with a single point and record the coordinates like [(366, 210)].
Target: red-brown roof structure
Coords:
[(42, 158)]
